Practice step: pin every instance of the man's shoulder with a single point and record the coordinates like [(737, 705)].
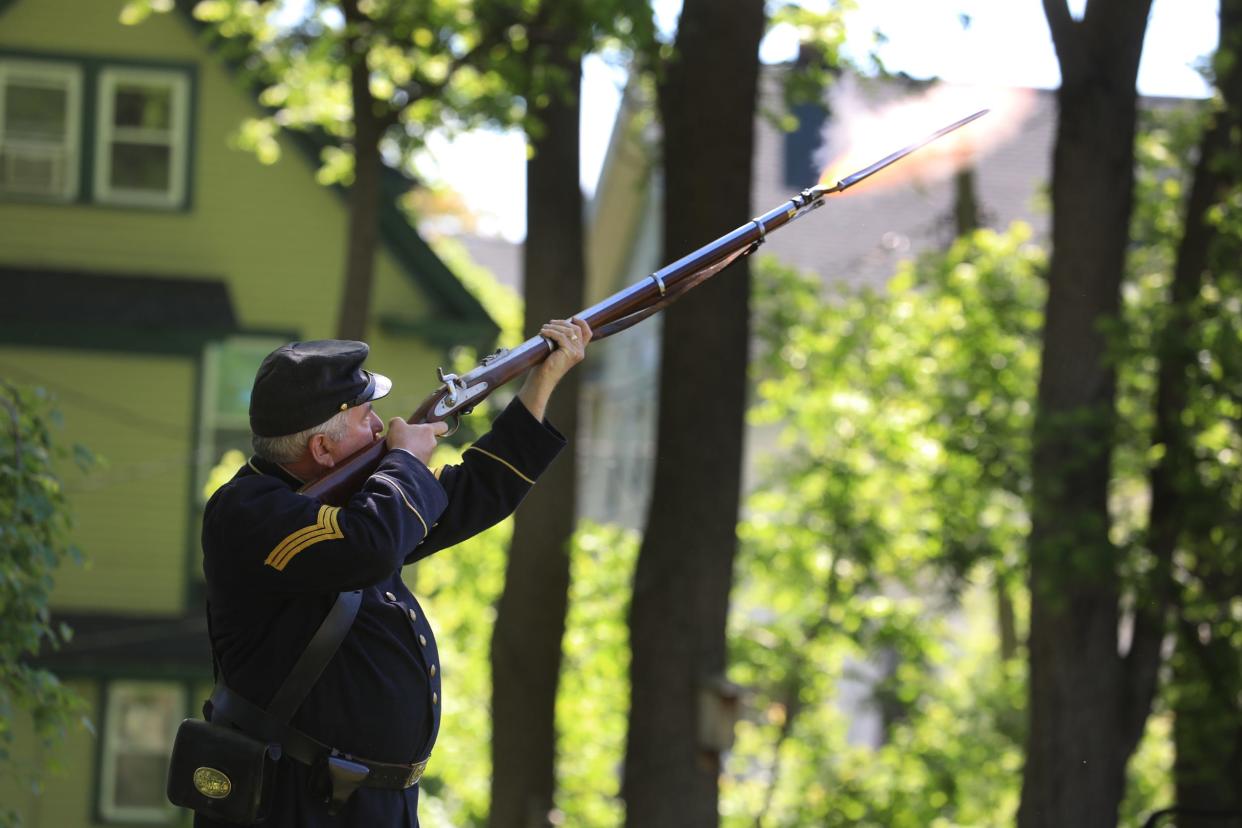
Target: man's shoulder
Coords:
[(245, 482), (248, 493)]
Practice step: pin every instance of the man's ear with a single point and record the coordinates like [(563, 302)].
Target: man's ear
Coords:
[(320, 450)]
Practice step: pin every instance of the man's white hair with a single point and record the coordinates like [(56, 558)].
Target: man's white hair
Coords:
[(291, 447)]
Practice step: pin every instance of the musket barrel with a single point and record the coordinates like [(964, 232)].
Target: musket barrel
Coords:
[(347, 477), (647, 290)]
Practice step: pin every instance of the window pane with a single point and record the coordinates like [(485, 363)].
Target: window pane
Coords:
[(33, 171), (237, 363), (34, 112), (141, 718), (144, 720), (141, 167), (139, 779), (147, 107)]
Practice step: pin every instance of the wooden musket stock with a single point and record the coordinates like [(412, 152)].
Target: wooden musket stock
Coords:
[(459, 395)]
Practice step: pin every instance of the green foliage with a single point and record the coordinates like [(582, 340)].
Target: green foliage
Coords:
[(916, 402), (951, 759), (898, 489), (1149, 777), (871, 559), (873, 555), (898, 503), (502, 303), (821, 34), (34, 540), (222, 472), (1204, 336), (594, 695), (460, 589), (439, 66), (136, 11)]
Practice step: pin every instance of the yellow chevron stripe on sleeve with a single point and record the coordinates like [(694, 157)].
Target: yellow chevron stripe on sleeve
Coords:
[(324, 528), (296, 538), (501, 461)]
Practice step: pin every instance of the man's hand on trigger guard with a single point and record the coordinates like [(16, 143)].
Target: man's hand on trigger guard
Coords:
[(419, 440)]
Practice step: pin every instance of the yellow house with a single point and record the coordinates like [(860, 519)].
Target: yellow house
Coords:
[(146, 266)]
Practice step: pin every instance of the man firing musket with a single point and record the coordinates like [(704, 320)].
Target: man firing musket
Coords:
[(328, 696)]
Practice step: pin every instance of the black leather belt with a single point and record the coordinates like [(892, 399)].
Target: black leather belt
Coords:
[(388, 775), (253, 720)]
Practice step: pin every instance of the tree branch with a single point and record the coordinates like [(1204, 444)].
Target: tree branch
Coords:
[(1062, 25)]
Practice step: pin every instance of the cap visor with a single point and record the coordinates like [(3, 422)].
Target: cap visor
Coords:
[(382, 386)]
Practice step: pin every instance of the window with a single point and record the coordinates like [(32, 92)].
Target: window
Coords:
[(39, 129), (228, 374), (133, 151), (140, 723), (802, 165), (142, 137)]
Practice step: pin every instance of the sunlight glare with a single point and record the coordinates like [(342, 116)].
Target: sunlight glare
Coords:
[(861, 132)]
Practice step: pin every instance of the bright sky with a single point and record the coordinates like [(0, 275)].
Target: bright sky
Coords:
[(1006, 42)]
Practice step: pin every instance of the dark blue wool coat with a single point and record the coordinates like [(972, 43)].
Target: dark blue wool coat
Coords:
[(274, 562)]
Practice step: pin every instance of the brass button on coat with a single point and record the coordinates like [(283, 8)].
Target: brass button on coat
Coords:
[(413, 615), (390, 596), (422, 639), (435, 699), (433, 670)]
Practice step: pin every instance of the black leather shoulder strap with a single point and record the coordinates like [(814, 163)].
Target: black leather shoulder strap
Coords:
[(310, 665)]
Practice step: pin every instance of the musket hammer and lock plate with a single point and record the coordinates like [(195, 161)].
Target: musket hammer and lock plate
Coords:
[(457, 393)]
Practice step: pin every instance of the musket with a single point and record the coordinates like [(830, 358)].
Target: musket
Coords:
[(458, 395)]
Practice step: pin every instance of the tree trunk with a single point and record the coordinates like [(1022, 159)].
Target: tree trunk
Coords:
[(685, 565), (967, 213), (530, 617), (1207, 669), (364, 193), (1084, 717)]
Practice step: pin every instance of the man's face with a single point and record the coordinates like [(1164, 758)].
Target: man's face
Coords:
[(364, 427)]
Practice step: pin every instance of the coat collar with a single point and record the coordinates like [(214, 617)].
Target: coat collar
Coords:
[(260, 466)]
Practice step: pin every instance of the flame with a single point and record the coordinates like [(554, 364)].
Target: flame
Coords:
[(859, 133)]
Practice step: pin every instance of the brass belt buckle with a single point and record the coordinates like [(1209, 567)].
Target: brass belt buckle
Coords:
[(416, 773)]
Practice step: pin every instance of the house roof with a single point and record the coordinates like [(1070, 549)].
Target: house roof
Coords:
[(96, 308), (470, 323), (122, 644), (501, 257)]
